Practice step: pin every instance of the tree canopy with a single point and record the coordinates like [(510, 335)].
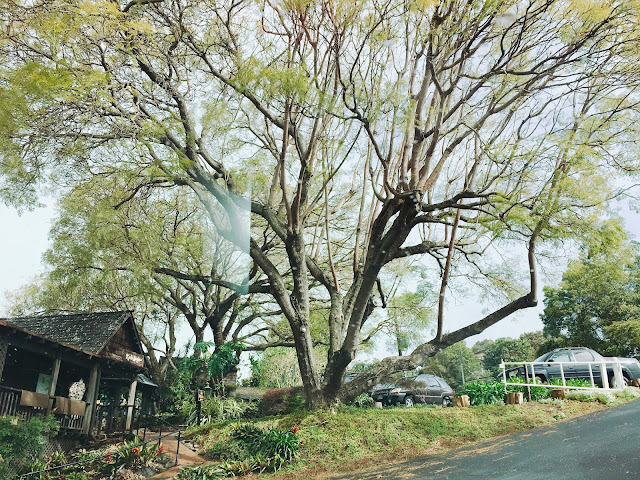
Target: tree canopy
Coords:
[(328, 140), (452, 361), (597, 303), (507, 350)]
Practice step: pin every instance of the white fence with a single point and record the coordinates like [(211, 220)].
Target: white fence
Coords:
[(618, 379)]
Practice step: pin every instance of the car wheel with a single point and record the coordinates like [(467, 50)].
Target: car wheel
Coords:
[(614, 384), (408, 401), (446, 402), (540, 379)]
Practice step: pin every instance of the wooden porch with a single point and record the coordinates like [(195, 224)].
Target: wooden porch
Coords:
[(12, 404), (69, 366)]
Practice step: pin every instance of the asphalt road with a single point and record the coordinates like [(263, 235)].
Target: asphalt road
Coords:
[(601, 446)]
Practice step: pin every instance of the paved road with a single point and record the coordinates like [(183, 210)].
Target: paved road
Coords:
[(602, 446)]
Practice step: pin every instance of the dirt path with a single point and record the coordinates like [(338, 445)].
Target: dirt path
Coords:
[(186, 456)]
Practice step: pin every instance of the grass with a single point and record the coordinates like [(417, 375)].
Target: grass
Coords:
[(353, 438)]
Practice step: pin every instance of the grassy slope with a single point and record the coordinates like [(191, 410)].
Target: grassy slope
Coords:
[(354, 438)]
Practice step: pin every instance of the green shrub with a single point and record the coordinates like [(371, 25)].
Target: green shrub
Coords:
[(227, 451), (484, 393), (252, 449), (22, 443), (363, 400), (572, 382), (537, 393), (279, 443), (218, 409), (603, 397), (249, 436)]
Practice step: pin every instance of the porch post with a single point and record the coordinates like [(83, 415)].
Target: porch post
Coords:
[(130, 402), (92, 396), (54, 381), (4, 345)]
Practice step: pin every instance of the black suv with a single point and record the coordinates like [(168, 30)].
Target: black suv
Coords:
[(551, 369), (419, 389)]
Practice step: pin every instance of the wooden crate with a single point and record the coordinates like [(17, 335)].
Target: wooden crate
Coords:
[(461, 401)]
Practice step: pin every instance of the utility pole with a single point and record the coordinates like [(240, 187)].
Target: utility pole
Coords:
[(461, 366)]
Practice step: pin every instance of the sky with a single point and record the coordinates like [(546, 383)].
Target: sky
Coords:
[(23, 240), (25, 237)]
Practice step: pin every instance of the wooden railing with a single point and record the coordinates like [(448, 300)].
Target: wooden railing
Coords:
[(10, 406), (9, 401)]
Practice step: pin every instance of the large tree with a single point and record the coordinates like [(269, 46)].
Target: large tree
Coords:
[(327, 140), (152, 254)]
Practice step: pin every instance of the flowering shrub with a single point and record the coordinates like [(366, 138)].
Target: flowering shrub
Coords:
[(98, 464), (134, 454)]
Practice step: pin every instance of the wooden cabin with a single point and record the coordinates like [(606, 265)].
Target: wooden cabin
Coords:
[(85, 369)]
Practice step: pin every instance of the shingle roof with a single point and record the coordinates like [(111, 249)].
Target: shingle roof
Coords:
[(88, 332)]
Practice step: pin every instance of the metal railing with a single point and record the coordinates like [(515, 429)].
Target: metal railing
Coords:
[(602, 366)]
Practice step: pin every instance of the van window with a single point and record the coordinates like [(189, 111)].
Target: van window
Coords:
[(583, 356)]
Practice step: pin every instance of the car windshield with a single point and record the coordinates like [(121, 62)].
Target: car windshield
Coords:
[(542, 358)]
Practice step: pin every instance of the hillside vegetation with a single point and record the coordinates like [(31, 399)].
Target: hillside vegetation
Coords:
[(352, 438)]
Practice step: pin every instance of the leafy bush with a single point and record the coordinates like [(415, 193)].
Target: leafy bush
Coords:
[(281, 401), (484, 393), (218, 409), (279, 443), (226, 451), (22, 443), (135, 454), (572, 382), (251, 449), (363, 400), (537, 393), (202, 365)]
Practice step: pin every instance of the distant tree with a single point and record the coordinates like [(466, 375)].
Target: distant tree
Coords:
[(275, 368), (447, 364), (597, 304), (537, 340), (507, 350), (482, 345)]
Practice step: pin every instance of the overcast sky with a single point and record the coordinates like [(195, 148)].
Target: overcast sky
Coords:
[(25, 237)]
